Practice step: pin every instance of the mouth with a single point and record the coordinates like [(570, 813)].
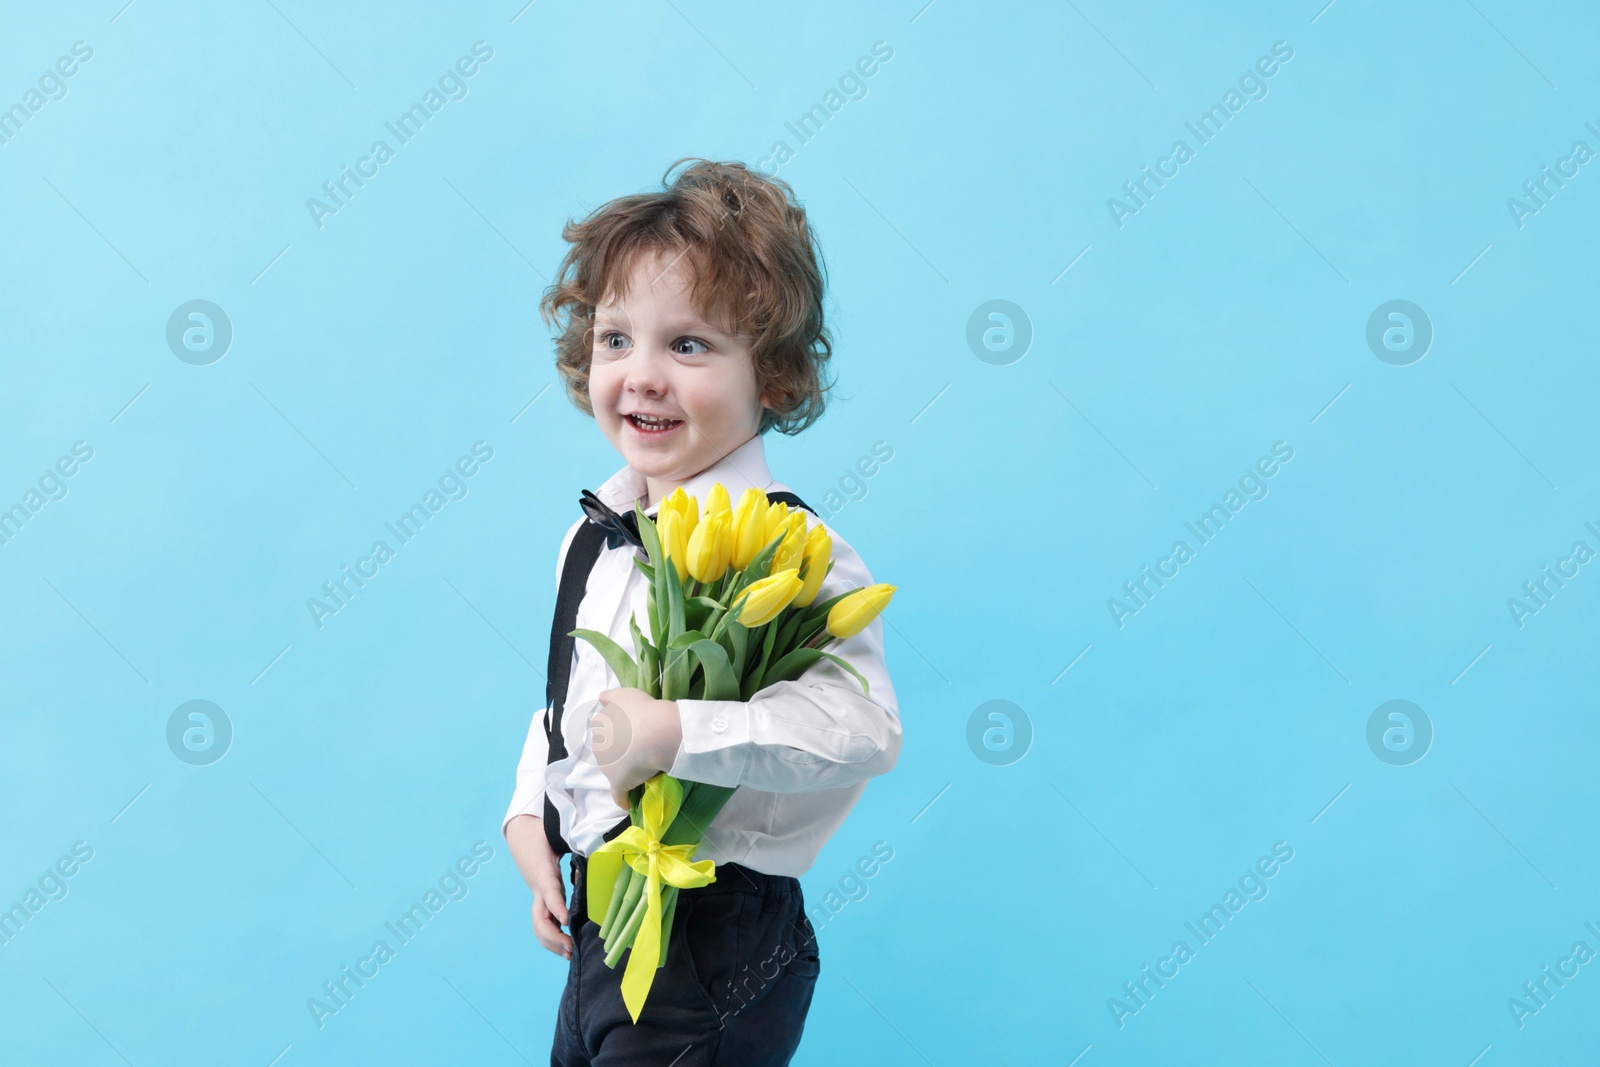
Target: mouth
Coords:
[(648, 426)]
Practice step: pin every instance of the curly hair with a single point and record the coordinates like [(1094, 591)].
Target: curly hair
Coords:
[(755, 268)]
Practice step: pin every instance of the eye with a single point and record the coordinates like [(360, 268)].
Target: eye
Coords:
[(605, 339), (690, 341)]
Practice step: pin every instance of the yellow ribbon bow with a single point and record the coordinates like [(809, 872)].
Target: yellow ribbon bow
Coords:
[(641, 848)]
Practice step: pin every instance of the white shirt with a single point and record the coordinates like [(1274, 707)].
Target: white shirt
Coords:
[(800, 751)]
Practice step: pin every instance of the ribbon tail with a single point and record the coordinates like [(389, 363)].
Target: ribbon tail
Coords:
[(645, 953), (604, 866)]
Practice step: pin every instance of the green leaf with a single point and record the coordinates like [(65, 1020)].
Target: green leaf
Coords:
[(721, 682), (786, 634), (648, 535), (651, 539), (616, 657), (644, 679), (700, 806), (675, 671), (819, 611), (739, 639), (790, 667), (697, 610), (640, 642), (685, 639), (678, 663), (752, 683), (852, 670), (756, 569), (674, 598), (650, 671)]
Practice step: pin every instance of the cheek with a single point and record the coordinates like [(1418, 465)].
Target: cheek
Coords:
[(603, 386), (716, 395)]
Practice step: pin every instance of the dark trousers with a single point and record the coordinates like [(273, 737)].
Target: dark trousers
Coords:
[(741, 966)]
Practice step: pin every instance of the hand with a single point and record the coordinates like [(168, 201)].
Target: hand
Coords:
[(542, 871), (638, 737)]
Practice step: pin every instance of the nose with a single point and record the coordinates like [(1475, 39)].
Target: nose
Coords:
[(646, 371)]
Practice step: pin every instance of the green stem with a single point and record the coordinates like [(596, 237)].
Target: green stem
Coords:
[(634, 892), (618, 888), (722, 622), (669, 907), (625, 936)]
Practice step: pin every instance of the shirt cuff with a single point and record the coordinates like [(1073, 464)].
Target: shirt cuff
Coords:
[(716, 742), (533, 807)]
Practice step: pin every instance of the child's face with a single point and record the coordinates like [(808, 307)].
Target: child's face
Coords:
[(655, 355)]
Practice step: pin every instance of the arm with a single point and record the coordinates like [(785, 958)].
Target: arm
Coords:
[(816, 732), (530, 849), (523, 826), (528, 797)]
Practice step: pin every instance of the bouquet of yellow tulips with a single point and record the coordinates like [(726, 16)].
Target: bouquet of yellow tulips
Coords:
[(731, 611)]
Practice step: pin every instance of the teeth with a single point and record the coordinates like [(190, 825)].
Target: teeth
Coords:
[(652, 423)]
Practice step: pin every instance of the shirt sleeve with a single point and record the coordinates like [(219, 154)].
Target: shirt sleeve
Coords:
[(528, 796), (819, 731)]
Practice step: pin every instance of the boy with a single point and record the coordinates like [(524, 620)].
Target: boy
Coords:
[(693, 324)]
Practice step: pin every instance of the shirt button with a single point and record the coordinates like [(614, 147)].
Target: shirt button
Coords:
[(719, 724), (591, 656)]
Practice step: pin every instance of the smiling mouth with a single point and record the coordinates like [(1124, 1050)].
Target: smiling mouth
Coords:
[(652, 427)]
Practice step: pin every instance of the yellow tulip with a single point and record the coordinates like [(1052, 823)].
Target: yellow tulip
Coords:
[(819, 550), (749, 523), (687, 508), (854, 612), (792, 548), (711, 546), (716, 500), (674, 539), (777, 522), (767, 597)]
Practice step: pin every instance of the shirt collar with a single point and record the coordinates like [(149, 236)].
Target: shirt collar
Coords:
[(743, 468)]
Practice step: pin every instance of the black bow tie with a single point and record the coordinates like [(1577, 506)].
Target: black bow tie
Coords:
[(618, 528)]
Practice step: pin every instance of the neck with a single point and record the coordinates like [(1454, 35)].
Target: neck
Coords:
[(658, 490)]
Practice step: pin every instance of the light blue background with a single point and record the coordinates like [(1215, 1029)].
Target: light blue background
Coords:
[(1228, 714)]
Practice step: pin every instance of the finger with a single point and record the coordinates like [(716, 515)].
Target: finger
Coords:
[(548, 933), (548, 887)]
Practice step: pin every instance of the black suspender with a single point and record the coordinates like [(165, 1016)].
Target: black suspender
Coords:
[(581, 556)]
